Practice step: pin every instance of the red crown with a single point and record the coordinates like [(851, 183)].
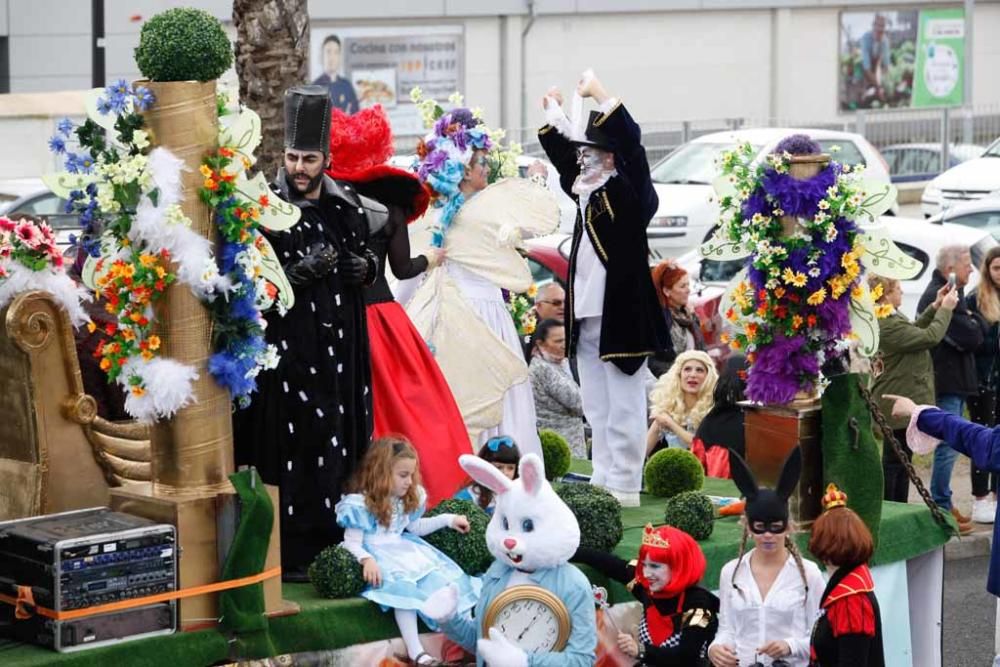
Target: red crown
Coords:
[(834, 497)]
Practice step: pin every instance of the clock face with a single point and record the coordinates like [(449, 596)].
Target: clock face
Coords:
[(531, 624)]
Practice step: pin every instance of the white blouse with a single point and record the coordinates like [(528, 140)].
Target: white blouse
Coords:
[(746, 622)]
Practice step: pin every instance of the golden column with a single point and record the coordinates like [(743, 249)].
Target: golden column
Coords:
[(193, 451)]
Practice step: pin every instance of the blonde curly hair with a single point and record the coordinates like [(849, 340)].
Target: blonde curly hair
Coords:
[(667, 397)]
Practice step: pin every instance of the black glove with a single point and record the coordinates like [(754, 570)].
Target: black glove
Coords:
[(318, 263), (353, 269)]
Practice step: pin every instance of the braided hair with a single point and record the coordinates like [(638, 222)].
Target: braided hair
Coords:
[(793, 549)]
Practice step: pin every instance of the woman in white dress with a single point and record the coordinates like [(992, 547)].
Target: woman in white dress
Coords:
[(460, 308), (769, 596)]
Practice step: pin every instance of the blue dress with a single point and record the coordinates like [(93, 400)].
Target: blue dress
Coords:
[(411, 568), (471, 493)]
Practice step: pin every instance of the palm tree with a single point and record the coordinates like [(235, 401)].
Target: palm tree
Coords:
[(272, 54)]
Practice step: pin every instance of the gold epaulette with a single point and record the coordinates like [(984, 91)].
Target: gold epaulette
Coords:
[(696, 618)]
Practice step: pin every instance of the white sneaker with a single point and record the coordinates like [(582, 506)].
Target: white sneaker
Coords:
[(983, 510), (625, 498)]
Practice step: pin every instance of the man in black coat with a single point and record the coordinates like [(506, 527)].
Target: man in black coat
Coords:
[(311, 421), (954, 358), (613, 318)]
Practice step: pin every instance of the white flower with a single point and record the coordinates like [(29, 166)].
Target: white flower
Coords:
[(415, 94), (140, 139), (456, 99), (477, 113), (814, 272), (269, 358)]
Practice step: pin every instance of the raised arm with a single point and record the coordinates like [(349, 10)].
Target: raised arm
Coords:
[(403, 265), (557, 146)]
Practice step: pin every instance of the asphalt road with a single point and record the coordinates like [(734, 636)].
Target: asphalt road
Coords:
[(969, 614)]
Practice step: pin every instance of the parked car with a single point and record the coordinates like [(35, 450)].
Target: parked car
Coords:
[(982, 214), (44, 204), (910, 163), (548, 257), (971, 180), (918, 239), (683, 179), (567, 209)]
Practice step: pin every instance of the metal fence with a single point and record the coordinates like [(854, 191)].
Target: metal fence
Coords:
[(978, 125)]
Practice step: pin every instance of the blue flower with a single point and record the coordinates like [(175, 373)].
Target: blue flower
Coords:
[(92, 189), (144, 98), (119, 88), (103, 106), (65, 126), (79, 164), (57, 145)]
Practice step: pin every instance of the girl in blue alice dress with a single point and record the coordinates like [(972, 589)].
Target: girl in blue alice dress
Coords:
[(382, 528), (503, 453)]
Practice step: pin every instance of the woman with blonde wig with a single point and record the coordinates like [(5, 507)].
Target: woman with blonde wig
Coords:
[(680, 400)]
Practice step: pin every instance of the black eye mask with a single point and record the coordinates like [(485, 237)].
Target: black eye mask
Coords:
[(767, 508)]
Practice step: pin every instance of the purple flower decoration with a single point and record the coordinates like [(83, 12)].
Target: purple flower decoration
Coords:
[(797, 144), (464, 117), (798, 198), (781, 369)]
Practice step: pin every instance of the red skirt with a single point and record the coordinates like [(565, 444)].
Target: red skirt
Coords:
[(412, 398)]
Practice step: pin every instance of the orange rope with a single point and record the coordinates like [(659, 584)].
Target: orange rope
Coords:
[(148, 599)]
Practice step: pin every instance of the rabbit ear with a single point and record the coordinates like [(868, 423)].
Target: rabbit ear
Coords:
[(744, 479), (531, 470), (484, 473), (790, 472)]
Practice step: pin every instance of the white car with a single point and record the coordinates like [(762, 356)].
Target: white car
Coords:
[(917, 238), (567, 209), (981, 214), (683, 179), (971, 180)]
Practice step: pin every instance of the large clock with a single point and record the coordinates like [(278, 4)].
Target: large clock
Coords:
[(531, 617)]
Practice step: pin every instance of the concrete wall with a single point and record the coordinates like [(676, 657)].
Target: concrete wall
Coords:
[(669, 59)]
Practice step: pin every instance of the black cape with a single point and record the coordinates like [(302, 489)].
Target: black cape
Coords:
[(310, 422)]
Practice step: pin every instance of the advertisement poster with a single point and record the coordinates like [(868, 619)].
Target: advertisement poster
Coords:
[(939, 79), (904, 58), (367, 66)]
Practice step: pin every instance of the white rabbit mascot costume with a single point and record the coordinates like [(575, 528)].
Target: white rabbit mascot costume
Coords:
[(532, 535)]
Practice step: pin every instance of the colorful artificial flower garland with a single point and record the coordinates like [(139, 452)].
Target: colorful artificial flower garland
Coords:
[(238, 337), (129, 207), (792, 311)]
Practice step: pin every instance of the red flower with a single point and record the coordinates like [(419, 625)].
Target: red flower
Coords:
[(110, 328), (225, 152), (263, 200), (811, 320)]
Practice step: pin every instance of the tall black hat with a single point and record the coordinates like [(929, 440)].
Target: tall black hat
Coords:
[(594, 134), (766, 505), (307, 118)]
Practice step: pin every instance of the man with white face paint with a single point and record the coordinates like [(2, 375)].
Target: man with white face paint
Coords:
[(613, 322)]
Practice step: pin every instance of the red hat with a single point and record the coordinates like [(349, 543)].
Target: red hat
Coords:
[(360, 144), (665, 275)]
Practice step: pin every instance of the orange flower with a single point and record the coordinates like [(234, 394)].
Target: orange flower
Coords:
[(91, 327), (205, 171), (779, 292), (751, 331), (724, 338), (128, 334), (137, 390), (796, 321), (154, 342), (735, 344), (105, 364), (731, 315), (210, 184), (762, 310), (751, 357), (147, 355), (226, 152)]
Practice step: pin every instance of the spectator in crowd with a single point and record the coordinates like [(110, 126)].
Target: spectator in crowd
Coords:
[(680, 400), (558, 403), (954, 358), (985, 301), (550, 303), (673, 287), (721, 431), (905, 367)]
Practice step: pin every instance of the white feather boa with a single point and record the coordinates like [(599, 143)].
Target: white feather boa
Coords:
[(62, 288), (191, 252), (168, 387)]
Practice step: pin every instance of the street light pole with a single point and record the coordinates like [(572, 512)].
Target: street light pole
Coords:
[(97, 43)]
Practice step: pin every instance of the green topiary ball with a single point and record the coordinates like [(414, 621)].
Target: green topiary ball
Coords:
[(555, 453), (336, 573), (597, 512), (183, 44), (672, 471), (692, 512), (468, 550)]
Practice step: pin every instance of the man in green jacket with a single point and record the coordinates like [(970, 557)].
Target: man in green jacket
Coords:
[(907, 369)]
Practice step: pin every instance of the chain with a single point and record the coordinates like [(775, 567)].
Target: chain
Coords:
[(889, 438)]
